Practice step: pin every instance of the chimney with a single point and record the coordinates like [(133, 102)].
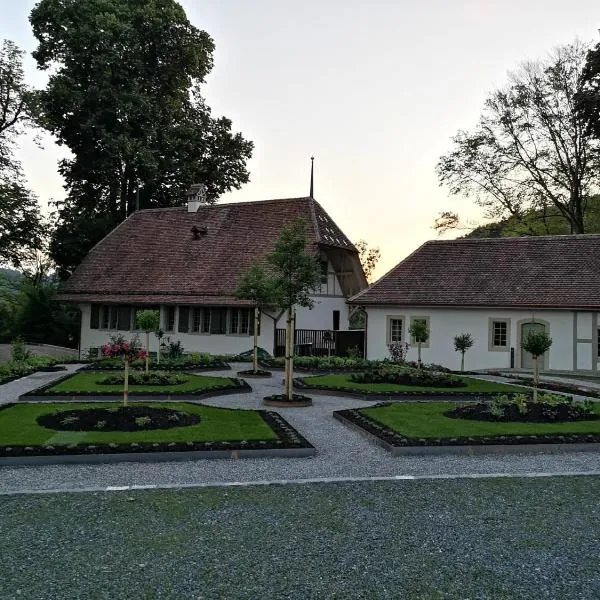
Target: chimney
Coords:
[(196, 196)]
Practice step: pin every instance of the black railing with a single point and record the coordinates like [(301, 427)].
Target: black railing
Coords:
[(321, 342)]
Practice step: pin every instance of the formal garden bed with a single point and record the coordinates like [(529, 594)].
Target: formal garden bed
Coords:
[(98, 384), (408, 383), (281, 400), (250, 373), (555, 386), (58, 429), (15, 369), (502, 422)]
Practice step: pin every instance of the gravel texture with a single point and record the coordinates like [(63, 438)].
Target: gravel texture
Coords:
[(341, 452), (483, 539)]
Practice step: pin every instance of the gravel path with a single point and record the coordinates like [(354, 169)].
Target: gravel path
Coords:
[(450, 540), (341, 453)]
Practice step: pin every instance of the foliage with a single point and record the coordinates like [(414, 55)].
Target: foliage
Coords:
[(398, 352), (537, 343), (124, 97), (369, 257), (19, 352), (353, 352), (20, 368), (419, 331), (547, 409), (531, 149), (407, 376), (463, 342), (20, 227), (119, 347), (137, 378), (258, 286), (147, 320), (174, 350)]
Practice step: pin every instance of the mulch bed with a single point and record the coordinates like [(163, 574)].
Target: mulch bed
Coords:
[(288, 438), (282, 400), (218, 365), (122, 418), (254, 374), (393, 438)]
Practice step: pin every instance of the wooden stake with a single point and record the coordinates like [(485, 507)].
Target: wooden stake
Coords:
[(126, 383)]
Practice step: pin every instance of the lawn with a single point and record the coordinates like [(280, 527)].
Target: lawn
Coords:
[(19, 427), (426, 420), (87, 383), (343, 381)]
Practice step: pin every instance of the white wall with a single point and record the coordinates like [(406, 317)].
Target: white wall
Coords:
[(446, 323)]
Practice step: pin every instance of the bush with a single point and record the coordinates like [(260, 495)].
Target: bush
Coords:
[(407, 376), (19, 350), (143, 378)]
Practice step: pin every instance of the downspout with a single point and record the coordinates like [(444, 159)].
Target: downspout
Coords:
[(366, 330)]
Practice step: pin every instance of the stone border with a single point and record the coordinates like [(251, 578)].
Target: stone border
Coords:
[(289, 444), (220, 366), (37, 395), (402, 396), (489, 445)]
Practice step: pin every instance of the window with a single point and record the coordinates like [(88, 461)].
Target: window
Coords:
[(170, 319), (206, 320), (105, 314), (395, 329), (499, 335), (123, 317), (324, 271), (240, 321), (196, 320), (336, 320), (95, 317), (184, 319), (114, 316), (218, 320)]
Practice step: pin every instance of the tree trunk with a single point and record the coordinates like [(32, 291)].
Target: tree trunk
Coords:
[(289, 344), (126, 383), (419, 355), (147, 351), (536, 378), (290, 385), (158, 353), (462, 362), (255, 355)]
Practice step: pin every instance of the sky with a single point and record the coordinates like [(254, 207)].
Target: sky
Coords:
[(374, 90)]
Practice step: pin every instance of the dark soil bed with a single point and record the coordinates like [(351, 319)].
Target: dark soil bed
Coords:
[(536, 412), (251, 373), (123, 418), (283, 400), (137, 378)]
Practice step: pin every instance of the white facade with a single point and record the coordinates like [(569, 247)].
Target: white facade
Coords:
[(327, 302), (574, 335)]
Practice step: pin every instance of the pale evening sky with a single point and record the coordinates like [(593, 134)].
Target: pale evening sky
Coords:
[(373, 89)]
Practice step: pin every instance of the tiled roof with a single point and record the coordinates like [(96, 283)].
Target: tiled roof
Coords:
[(536, 272), (153, 256)]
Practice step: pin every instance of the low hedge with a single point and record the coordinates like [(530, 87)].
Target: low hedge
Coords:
[(11, 370), (408, 376)]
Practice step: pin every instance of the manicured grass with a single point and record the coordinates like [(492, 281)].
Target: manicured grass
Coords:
[(343, 381), (426, 420), (87, 382), (18, 426)]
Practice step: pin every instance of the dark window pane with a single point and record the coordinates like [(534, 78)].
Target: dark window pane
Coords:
[(196, 319), (114, 316), (105, 313), (170, 319), (95, 317), (184, 319), (336, 320), (123, 317), (218, 320)]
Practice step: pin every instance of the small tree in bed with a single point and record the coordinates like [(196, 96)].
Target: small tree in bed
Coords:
[(537, 343), (259, 287), (129, 351), (462, 343), (147, 321), (420, 334)]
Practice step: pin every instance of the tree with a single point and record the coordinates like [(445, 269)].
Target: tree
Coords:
[(148, 321), (537, 343), (369, 257), (259, 287), (462, 343), (124, 96), (532, 148), (20, 229), (296, 274), (420, 334)]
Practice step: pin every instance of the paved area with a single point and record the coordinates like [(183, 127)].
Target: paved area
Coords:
[(452, 540), (38, 350), (341, 453)]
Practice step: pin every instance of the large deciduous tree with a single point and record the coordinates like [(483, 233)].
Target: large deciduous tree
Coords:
[(124, 96), (20, 230), (532, 148), (369, 257)]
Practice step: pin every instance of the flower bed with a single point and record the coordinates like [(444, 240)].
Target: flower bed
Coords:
[(183, 363), (281, 400), (428, 424), (251, 373), (11, 370), (409, 377), (143, 378), (338, 364), (213, 429)]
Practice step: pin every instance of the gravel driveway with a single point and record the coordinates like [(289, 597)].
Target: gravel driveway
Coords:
[(453, 540), (341, 453)]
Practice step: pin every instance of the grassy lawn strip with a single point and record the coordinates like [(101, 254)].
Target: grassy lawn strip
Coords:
[(338, 381), (86, 383), (426, 420), (19, 427)]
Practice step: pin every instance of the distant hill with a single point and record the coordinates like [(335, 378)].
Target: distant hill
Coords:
[(548, 222)]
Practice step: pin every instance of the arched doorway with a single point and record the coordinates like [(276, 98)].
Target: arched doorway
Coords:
[(526, 358)]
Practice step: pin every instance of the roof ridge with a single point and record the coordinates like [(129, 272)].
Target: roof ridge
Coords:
[(552, 236)]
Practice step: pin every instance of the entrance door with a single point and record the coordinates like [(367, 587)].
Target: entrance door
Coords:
[(526, 358)]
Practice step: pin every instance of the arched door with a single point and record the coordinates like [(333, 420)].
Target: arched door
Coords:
[(526, 358)]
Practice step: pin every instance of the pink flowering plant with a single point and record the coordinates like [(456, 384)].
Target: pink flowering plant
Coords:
[(119, 347)]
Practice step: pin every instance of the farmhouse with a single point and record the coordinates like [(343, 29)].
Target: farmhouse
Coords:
[(187, 261), (497, 290)]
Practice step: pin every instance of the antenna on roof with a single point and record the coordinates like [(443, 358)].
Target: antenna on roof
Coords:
[(312, 176)]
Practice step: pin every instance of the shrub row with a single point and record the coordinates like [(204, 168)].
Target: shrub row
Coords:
[(408, 376)]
